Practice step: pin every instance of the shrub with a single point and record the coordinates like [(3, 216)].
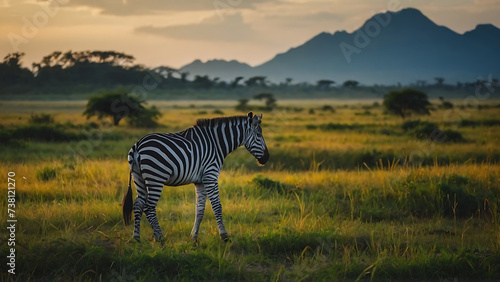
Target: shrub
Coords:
[(5, 137), (421, 129), (364, 113), (413, 124), (453, 136), (456, 200), (46, 173), (328, 108), (474, 123), (42, 133), (446, 105), (425, 130), (430, 130), (41, 119), (336, 126)]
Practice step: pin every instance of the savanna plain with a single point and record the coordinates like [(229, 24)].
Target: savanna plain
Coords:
[(349, 193)]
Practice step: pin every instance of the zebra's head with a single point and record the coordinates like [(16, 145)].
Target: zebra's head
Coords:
[(255, 142)]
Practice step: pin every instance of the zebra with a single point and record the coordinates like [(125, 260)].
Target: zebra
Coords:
[(194, 155)]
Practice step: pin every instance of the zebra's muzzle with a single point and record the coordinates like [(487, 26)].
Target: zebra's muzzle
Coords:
[(263, 160)]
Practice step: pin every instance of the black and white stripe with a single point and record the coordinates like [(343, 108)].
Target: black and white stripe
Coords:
[(191, 156)]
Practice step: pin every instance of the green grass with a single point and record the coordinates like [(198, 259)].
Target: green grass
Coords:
[(341, 199)]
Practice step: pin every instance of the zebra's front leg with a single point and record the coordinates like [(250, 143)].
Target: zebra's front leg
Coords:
[(213, 195), (201, 198)]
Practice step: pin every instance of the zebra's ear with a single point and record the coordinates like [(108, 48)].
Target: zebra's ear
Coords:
[(255, 120), (250, 115)]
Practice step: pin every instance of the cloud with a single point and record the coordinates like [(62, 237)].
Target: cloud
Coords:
[(232, 28), (486, 2), (306, 19), (145, 7)]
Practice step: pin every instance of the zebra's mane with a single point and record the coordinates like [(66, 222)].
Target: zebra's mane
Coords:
[(211, 122)]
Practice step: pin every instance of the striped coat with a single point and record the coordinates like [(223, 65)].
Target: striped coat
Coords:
[(194, 155)]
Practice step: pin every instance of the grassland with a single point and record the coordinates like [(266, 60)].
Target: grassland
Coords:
[(348, 194)]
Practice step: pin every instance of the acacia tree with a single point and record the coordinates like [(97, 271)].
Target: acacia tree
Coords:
[(406, 101), (350, 83), (324, 84), (242, 104), (12, 72), (234, 83), (439, 81), (256, 81), (269, 100), (119, 105)]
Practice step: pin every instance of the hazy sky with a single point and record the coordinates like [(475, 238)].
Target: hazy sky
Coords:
[(174, 32)]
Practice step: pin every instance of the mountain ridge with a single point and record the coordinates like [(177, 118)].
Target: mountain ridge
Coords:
[(388, 48)]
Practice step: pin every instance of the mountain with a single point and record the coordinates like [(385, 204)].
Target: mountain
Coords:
[(388, 48)]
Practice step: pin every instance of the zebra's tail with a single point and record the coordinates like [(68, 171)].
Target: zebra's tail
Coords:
[(127, 205)]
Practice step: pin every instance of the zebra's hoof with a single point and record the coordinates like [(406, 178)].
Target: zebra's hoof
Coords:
[(136, 240), (161, 240), (224, 237), (195, 243)]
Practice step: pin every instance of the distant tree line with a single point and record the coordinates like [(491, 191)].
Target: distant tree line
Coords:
[(87, 71)]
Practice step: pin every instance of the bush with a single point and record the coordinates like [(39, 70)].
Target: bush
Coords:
[(446, 105), (41, 119), (5, 137), (42, 133), (453, 136), (420, 129), (456, 200), (336, 126), (474, 123), (364, 113), (425, 129), (328, 108), (430, 130), (46, 173)]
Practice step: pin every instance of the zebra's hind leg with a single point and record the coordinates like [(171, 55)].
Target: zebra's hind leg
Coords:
[(154, 193), (139, 204)]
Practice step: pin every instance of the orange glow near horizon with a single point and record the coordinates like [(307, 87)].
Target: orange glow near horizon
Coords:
[(176, 33)]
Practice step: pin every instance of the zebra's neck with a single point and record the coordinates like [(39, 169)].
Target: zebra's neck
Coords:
[(228, 135)]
